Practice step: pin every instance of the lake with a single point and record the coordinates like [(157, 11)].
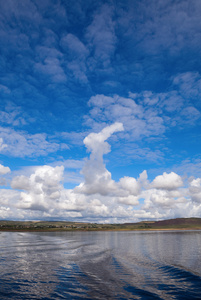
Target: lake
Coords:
[(100, 265)]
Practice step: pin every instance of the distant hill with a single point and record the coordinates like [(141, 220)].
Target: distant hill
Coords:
[(172, 224), (179, 222)]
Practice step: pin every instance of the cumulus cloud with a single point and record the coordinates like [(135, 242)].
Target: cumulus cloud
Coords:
[(166, 181), (96, 196), (163, 200), (130, 184), (97, 177), (20, 182), (42, 186), (8, 200), (44, 192), (95, 142), (4, 170), (195, 189), (99, 198)]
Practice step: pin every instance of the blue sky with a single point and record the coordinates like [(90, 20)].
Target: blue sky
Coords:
[(100, 110)]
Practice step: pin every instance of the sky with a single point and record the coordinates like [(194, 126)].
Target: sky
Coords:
[(100, 110)]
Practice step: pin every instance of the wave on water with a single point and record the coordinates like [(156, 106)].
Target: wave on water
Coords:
[(105, 265)]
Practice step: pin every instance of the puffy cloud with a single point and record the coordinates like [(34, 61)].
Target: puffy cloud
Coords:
[(129, 200), (166, 181), (96, 208), (130, 184), (70, 201), (99, 198), (95, 142), (44, 192), (4, 212), (195, 189), (4, 170), (8, 200), (165, 198), (41, 187), (96, 183), (97, 177), (20, 182)]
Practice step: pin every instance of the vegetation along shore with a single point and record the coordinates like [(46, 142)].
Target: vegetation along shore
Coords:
[(172, 224)]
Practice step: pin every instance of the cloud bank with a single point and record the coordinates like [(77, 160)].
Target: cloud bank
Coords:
[(99, 198)]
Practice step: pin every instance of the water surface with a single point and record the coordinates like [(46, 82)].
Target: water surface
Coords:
[(100, 265)]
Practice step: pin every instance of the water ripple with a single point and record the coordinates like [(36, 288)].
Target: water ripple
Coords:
[(100, 265)]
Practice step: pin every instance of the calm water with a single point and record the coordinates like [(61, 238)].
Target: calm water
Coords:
[(100, 265)]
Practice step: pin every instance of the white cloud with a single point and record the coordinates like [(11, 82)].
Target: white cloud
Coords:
[(195, 190), (166, 181), (128, 200), (8, 200), (97, 177), (138, 121), (95, 142), (41, 187), (20, 182), (96, 55), (99, 198), (164, 199), (148, 114), (4, 170), (130, 184), (4, 212), (22, 144)]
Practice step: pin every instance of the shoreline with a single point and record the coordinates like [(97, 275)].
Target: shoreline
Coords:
[(99, 230), (180, 224)]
